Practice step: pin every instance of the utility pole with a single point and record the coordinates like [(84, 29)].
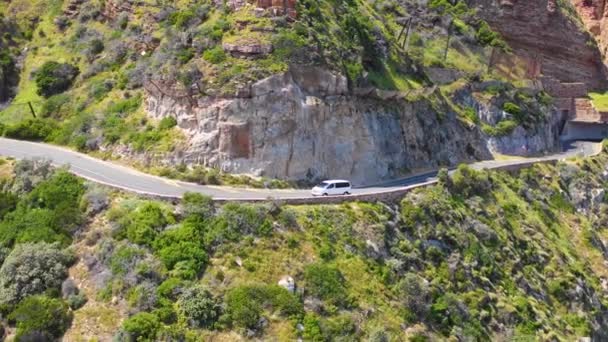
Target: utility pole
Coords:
[(447, 45), (29, 103), (406, 42)]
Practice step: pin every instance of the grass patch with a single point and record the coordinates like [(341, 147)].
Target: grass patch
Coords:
[(600, 100)]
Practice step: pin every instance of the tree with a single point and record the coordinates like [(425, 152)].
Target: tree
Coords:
[(326, 282), (32, 269), (199, 307), (143, 326), (55, 78), (40, 318)]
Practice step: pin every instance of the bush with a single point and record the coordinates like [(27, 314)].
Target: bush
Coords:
[(41, 316), (33, 269), (181, 250), (96, 46), (236, 220), (180, 19), (185, 258), (170, 288), (8, 203), (245, 304), (54, 106), (167, 123), (54, 78), (486, 36), (145, 222), (32, 129), (503, 128), (414, 293), (326, 282), (76, 301), (197, 205), (468, 182), (199, 307), (215, 55), (143, 326), (514, 110)]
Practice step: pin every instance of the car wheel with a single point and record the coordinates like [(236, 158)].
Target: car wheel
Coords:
[(346, 193), (325, 194)]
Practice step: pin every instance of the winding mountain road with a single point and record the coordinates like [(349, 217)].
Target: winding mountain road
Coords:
[(121, 177)]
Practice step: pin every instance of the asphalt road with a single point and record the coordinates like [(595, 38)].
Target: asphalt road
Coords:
[(131, 180)]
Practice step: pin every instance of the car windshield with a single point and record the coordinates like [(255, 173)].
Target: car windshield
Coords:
[(323, 184)]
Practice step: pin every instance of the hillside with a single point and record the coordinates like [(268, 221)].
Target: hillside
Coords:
[(483, 255), (365, 90)]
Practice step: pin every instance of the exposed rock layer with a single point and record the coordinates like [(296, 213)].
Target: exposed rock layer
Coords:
[(540, 31), (306, 125)]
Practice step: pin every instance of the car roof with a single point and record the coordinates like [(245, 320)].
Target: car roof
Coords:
[(336, 181)]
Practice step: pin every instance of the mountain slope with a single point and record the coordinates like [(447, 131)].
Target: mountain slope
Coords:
[(483, 255), (200, 83)]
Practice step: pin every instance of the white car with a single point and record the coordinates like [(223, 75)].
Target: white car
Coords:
[(332, 187)]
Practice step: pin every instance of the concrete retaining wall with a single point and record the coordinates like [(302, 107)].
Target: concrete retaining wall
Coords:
[(584, 130)]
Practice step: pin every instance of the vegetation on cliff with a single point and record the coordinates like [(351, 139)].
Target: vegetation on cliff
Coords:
[(482, 255)]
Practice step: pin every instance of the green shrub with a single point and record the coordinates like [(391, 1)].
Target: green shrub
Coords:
[(54, 78), (468, 182), (33, 269), (514, 110), (124, 259), (245, 304), (181, 19), (287, 44), (96, 46), (197, 205), (236, 220), (125, 106), (486, 36), (143, 326), (50, 212), (76, 301), (199, 307), (55, 105), (170, 288), (41, 316), (215, 55), (503, 128), (185, 258), (312, 329), (32, 129), (145, 222), (8, 203), (414, 292), (326, 282), (167, 123)]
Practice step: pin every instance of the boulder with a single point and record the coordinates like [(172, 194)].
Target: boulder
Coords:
[(288, 283)]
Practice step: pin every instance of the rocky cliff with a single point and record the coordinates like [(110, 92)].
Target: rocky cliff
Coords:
[(551, 35), (593, 14), (306, 125)]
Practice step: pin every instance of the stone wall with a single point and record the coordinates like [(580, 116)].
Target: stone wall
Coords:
[(559, 89)]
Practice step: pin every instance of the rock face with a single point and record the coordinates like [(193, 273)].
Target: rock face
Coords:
[(594, 14), (537, 139), (541, 31), (306, 125)]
